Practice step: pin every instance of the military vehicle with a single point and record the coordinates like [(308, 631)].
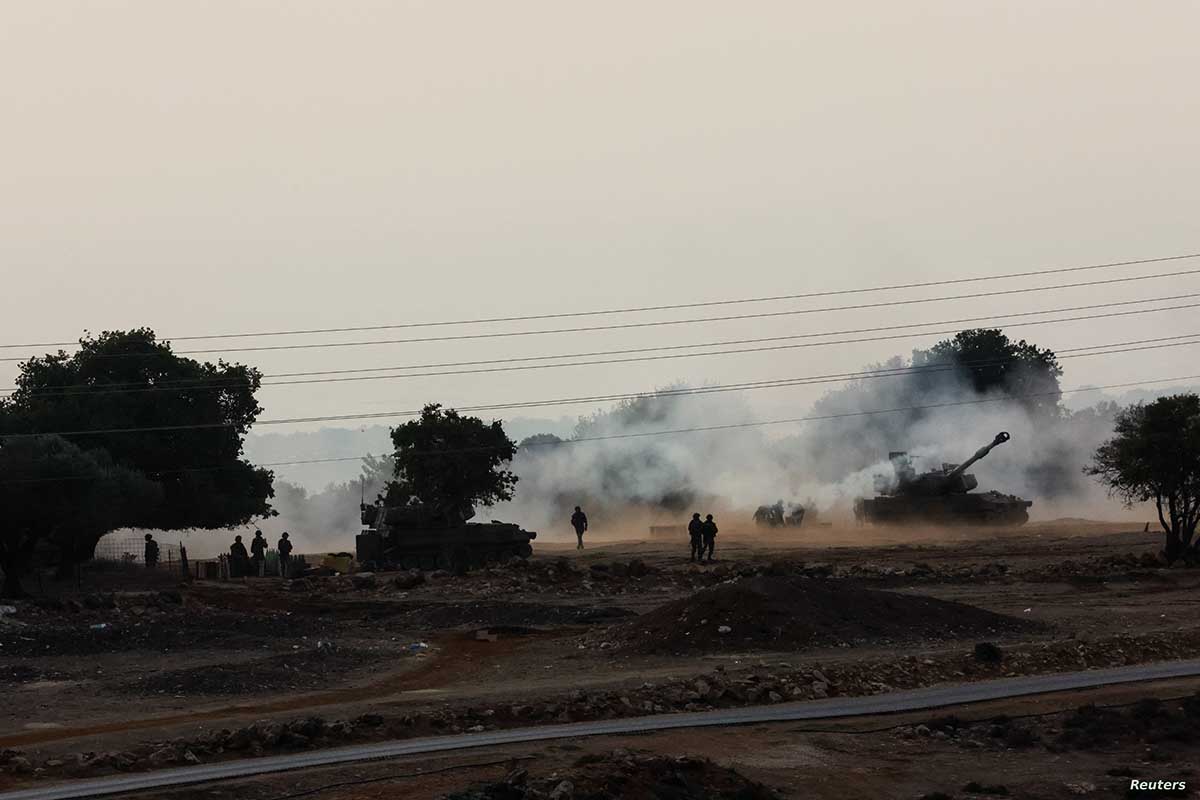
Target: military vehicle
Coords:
[(776, 517), (417, 536), (940, 496)]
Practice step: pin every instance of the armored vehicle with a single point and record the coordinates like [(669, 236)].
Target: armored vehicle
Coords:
[(776, 517), (940, 496), (418, 536)]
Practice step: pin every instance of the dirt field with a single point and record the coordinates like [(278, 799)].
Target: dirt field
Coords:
[(172, 675)]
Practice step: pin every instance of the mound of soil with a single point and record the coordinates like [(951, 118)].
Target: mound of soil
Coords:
[(789, 613), (305, 670), (640, 776)]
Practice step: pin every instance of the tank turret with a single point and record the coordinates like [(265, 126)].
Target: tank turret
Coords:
[(950, 479), (940, 495)]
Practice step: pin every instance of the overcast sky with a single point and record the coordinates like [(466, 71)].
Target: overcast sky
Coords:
[(226, 167)]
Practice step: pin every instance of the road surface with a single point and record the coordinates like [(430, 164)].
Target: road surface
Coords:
[(834, 707)]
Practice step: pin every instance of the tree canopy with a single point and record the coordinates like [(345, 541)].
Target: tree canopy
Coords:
[(1155, 455), (540, 440), (991, 362), (452, 462), (178, 421), (57, 497)]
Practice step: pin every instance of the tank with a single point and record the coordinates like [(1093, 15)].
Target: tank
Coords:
[(416, 536), (940, 496)]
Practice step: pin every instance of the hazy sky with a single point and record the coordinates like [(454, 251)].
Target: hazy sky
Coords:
[(243, 166)]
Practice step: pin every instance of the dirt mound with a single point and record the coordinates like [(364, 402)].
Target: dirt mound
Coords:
[(788, 613), (633, 776)]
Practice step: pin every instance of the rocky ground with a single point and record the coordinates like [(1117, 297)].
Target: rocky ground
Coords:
[(625, 774)]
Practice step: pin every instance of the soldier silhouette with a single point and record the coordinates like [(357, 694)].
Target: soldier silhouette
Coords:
[(579, 523), (284, 547), (150, 555), (695, 533), (239, 559), (709, 531)]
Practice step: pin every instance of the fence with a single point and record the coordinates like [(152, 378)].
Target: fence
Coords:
[(130, 548)]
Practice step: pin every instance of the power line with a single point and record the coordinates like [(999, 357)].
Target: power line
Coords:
[(669, 432), (639, 325), (668, 307), (716, 389), (747, 349), (89, 389), (766, 384)]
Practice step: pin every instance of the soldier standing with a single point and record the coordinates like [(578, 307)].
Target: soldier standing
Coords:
[(150, 555), (258, 552), (579, 523), (695, 532), (285, 554), (239, 559), (709, 531)]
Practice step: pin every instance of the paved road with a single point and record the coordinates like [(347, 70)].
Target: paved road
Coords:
[(915, 700)]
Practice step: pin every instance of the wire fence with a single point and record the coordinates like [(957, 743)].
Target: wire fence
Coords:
[(129, 547), (119, 565)]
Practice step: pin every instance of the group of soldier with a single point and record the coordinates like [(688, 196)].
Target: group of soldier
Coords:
[(703, 536), (241, 563), (253, 563), (702, 533)]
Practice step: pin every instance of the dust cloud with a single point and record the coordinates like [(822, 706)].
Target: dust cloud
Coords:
[(623, 476)]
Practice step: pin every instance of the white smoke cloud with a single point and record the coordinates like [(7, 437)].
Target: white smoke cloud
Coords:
[(829, 461)]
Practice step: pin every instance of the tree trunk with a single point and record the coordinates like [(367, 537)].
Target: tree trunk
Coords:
[(1172, 548)]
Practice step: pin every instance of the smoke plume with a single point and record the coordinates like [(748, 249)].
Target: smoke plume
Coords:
[(621, 476)]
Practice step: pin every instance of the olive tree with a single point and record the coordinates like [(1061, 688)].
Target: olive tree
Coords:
[(451, 462), (180, 422), (1155, 455), (58, 499)]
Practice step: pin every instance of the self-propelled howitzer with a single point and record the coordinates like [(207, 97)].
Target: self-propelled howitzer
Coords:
[(419, 536), (941, 495)]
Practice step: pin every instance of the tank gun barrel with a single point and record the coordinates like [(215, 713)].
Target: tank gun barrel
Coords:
[(1001, 438)]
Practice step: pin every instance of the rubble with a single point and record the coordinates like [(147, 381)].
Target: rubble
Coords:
[(1090, 727)]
